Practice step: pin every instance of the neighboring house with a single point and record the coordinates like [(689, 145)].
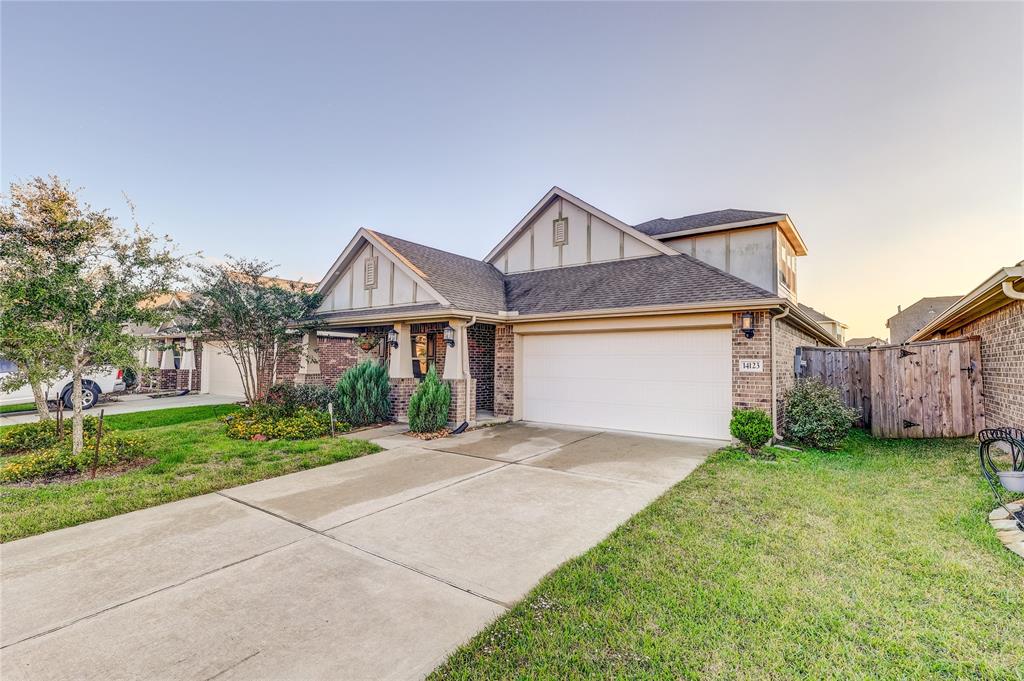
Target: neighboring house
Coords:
[(868, 342), (834, 327), (578, 318), (905, 323), (995, 312), (181, 359)]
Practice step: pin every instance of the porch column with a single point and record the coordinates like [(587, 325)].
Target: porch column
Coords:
[(400, 365), (309, 359), (455, 358)]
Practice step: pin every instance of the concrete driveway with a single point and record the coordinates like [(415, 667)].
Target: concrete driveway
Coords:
[(371, 568)]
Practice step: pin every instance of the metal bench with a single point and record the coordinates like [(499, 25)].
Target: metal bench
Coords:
[(1010, 440)]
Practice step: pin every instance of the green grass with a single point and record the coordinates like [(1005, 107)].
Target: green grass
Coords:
[(873, 562), (27, 406), (193, 456)]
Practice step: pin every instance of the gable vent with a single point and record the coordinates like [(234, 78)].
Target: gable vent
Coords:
[(560, 232), (370, 272)]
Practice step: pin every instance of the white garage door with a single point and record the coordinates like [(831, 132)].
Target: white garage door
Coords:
[(676, 382), (220, 375)]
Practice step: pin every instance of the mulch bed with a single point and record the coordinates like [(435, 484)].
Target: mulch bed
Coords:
[(436, 435), (71, 478)]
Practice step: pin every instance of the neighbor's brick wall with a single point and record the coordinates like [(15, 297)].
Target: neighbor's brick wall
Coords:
[(177, 379), (504, 370), (787, 339), (752, 390), (1002, 363), (481, 363)]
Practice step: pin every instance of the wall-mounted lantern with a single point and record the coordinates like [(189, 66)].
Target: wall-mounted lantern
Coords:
[(449, 336), (393, 338), (747, 324)]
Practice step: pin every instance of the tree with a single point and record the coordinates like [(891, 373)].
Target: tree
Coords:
[(97, 277), (254, 316)]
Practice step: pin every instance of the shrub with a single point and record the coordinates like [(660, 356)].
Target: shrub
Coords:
[(428, 406), (752, 427), (262, 421), (115, 448), (291, 397), (816, 416), (25, 437), (363, 394)]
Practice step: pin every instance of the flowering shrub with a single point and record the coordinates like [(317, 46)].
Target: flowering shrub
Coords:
[(291, 397), (265, 422), (25, 437), (115, 448)]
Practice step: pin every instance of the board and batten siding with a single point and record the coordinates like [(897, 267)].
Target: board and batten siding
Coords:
[(394, 287), (590, 239)]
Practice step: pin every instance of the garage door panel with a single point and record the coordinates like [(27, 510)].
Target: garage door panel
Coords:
[(676, 382)]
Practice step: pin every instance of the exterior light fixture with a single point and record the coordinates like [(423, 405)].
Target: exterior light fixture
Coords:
[(393, 338), (449, 336), (747, 324)]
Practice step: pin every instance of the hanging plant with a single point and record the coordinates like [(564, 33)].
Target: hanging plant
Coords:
[(367, 342)]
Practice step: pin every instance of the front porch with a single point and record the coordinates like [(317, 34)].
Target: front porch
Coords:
[(467, 362)]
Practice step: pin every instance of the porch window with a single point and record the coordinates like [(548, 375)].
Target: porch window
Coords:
[(424, 352)]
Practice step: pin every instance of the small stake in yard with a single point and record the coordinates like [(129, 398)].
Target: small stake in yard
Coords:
[(330, 410), (60, 419), (96, 452)]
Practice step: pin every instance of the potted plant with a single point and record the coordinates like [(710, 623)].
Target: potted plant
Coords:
[(366, 342)]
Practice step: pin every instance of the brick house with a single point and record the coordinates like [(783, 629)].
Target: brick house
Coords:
[(995, 312), (578, 318)]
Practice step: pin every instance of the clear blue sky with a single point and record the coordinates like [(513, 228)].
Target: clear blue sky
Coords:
[(891, 133)]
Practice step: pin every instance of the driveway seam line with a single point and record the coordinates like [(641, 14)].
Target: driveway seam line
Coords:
[(371, 553), (150, 593)]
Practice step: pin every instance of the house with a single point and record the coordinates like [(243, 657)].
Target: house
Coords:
[(834, 327), (180, 359), (866, 342), (905, 323), (995, 312), (577, 318)]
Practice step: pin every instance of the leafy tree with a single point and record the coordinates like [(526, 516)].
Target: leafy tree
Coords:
[(253, 315), (97, 277)]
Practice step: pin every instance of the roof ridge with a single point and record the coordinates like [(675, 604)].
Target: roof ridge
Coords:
[(435, 248)]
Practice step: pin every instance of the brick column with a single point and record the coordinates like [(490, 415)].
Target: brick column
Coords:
[(401, 390), (504, 370), (752, 390)]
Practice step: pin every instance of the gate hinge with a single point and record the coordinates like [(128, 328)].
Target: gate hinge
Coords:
[(910, 424), (906, 353)]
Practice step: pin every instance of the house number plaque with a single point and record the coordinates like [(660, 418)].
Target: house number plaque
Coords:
[(754, 366)]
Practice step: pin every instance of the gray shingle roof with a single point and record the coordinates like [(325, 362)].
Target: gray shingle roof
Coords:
[(660, 226), (467, 283), (814, 314), (656, 280)]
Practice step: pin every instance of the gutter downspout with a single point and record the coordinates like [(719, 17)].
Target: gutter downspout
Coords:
[(1011, 292), (771, 326), (465, 366)]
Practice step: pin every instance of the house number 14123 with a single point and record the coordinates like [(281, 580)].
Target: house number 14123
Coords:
[(752, 365)]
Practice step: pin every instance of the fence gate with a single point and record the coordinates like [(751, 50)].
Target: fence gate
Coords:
[(930, 389), (845, 369)]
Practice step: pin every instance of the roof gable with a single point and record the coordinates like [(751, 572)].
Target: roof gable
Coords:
[(721, 220), (557, 193)]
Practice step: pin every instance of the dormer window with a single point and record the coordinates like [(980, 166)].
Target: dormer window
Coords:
[(560, 231), (370, 273)]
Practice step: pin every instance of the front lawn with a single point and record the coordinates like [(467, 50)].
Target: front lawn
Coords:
[(192, 456), (873, 562), (10, 408)]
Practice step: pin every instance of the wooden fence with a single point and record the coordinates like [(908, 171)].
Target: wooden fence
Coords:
[(929, 389)]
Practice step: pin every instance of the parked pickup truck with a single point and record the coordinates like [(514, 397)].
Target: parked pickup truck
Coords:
[(94, 384)]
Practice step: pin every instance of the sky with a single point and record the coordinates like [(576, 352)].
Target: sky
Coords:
[(890, 133)]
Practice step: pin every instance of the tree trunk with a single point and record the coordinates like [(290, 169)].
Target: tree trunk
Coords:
[(77, 430), (40, 399)]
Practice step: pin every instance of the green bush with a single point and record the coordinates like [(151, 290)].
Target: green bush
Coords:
[(269, 422), (752, 427), (25, 437), (115, 448), (291, 397), (428, 406), (816, 416), (363, 394)]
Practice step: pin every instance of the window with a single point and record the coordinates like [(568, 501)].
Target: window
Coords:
[(787, 266), (370, 273), (560, 231), (424, 352)]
